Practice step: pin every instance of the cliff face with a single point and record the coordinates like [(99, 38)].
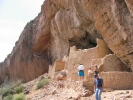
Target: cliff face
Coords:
[(79, 22), (65, 23), (23, 63), (113, 19)]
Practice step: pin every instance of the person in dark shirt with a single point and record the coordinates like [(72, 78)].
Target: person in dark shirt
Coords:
[(96, 69), (98, 87)]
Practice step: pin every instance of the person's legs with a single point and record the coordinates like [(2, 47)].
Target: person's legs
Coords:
[(79, 75), (98, 93), (82, 74), (80, 78)]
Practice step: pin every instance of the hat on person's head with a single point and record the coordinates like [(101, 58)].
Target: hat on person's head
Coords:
[(95, 75)]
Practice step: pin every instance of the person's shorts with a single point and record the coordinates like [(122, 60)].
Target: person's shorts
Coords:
[(81, 73)]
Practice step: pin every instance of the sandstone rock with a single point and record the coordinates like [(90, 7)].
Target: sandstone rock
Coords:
[(54, 92), (113, 23), (108, 90), (77, 97), (22, 63), (87, 93)]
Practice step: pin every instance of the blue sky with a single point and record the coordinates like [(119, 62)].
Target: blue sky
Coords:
[(14, 14)]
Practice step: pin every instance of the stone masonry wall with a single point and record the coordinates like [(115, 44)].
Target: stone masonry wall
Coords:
[(112, 63), (103, 49), (100, 55), (80, 56), (118, 80), (56, 68)]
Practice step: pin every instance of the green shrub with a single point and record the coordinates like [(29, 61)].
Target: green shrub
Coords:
[(9, 97), (5, 93), (19, 89), (9, 86), (6, 88), (19, 97), (42, 83)]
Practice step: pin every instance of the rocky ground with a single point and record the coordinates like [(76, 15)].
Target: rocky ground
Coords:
[(71, 90), (118, 95), (70, 94), (60, 90)]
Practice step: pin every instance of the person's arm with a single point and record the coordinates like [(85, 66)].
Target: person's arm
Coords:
[(83, 67), (102, 86), (94, 87), (78, 68)]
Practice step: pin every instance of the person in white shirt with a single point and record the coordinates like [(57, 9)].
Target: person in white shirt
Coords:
[(81, 72)]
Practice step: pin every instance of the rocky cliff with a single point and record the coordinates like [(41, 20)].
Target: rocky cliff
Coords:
[(65, 23), (23, 63)]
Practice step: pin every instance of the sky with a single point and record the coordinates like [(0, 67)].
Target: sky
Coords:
[(14, 14)]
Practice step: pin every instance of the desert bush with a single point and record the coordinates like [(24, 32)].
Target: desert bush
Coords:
[(41, 83), (19, 89), (19, 97), (5, 93), (9, 97), (6, 88)]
